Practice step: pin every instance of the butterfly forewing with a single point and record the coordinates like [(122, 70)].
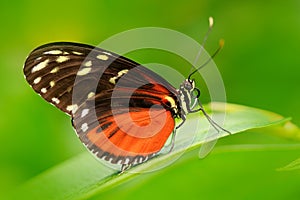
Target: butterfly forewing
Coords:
[(51, 71), (108, 96)]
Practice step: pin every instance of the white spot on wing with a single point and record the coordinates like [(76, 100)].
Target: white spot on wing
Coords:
[(102, 57), (40, 66), (146, 158), (54, 70), (84, 112), (107, 53), (113, 80), (53, 52), (119, 162), (135, 161), (77, 53), (69, 89), (55, 100), (61, 59), (52, 83), (84, 127), (88, 63), (120, 73), (141, 160), (126, 161), (44, 90), (84, 71), (37, 80), (91, 94), (72, 108)]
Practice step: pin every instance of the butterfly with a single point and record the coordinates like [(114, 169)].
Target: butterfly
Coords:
[(121, 111)]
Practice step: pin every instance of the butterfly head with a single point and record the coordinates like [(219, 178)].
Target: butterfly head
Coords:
[(188, 89), (188, 85)]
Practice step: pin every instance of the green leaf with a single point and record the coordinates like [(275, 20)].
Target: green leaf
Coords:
[(84, 176), (294, 165)]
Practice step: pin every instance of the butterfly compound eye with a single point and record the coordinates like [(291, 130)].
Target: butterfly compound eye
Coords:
[(189, 84)]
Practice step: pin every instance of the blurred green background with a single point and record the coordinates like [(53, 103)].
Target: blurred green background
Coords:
[(260, 65)]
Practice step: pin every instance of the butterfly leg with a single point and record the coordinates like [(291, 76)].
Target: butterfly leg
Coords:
[(210, 120), (174, 133), (195, 103), (183, 117), (172, 141)]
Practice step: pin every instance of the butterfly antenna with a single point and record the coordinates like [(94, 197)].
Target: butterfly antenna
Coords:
[(211, 23), (221, 44)]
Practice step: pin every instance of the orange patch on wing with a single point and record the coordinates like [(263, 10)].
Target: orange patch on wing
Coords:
[(138, 133)]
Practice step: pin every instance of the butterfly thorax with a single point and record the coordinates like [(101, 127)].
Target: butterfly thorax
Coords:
[(185, 95)]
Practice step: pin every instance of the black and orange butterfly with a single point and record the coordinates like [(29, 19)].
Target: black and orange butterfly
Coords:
[(123, 112)]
